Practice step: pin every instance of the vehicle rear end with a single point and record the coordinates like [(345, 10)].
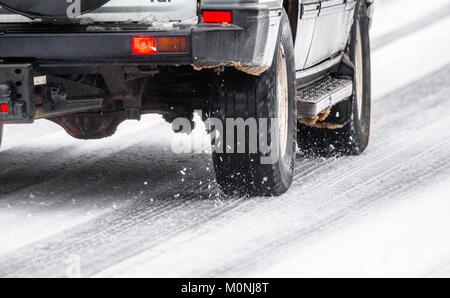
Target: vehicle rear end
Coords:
[(88, 65)]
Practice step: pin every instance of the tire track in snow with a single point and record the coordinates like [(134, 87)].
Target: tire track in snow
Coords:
[(409, 29), (396, 185), (36, 166), (75, 191), (133, 226), (238, 258)]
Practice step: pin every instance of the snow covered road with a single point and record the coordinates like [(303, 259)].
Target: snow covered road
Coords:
[(128, 206)]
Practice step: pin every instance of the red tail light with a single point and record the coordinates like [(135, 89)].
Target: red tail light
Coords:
[(217, 16), (145, 45), (3, 108)]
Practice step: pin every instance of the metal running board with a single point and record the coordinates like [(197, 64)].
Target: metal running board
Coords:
[(322, 95)]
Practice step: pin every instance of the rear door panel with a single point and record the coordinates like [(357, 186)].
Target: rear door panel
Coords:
[(309, 11), (332, 28)]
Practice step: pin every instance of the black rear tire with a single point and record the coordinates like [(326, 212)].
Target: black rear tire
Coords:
[(353, 137), (238, 95)]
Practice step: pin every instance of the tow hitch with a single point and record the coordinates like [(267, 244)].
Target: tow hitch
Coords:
[(16, 94), (26, 95)]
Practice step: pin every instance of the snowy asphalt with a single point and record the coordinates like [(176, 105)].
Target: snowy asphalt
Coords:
[(128, 206)]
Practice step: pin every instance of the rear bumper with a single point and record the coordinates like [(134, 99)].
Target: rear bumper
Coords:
[(248, 43)]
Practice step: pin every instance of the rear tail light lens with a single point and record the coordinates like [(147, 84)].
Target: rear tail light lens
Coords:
[(146, 45), (4, 108), (217, 16), (143, 45)]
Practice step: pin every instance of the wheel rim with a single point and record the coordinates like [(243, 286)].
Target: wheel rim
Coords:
[(283, 101), (359, 75)]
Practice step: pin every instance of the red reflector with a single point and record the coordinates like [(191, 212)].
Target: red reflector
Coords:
[(143, 45), (4, 108), (215, 16)]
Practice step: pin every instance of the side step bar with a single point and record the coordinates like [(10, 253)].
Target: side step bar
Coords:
[(323, 94)]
